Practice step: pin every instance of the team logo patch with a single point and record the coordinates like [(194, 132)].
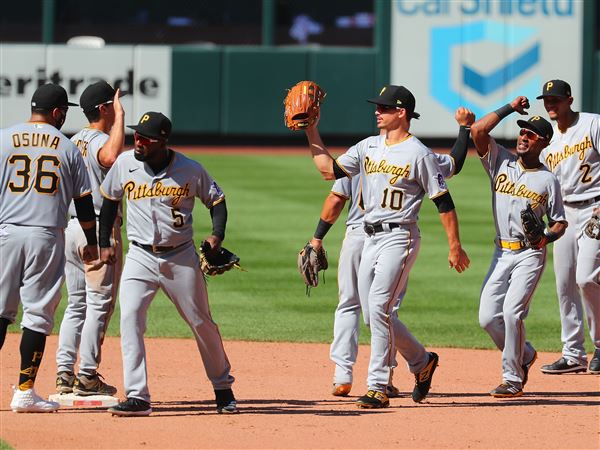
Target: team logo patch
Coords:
[(441, 182), (215, 187)]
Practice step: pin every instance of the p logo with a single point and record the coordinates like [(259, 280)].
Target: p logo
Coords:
[(144, 118), (382, 91), (549, 85), (534, 118)]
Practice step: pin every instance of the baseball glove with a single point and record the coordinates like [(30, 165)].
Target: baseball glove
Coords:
[(302, 105), (216, 262), (533, 228), (592, 228), (310, 262)]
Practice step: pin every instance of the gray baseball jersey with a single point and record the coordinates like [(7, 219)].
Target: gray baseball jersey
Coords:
[(514, 273), (41, 172), (394, 181), (574, 157), (344, 347), (92, 290), (159, 213)]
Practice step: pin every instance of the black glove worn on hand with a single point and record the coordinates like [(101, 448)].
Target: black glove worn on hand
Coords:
[(533, 227), (217, 261)]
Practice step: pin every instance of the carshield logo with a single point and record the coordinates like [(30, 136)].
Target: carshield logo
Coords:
[(498, 80)]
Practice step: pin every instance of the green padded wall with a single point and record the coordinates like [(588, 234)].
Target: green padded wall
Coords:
[(196, 89)]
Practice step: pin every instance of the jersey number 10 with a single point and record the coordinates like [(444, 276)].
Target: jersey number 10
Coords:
[(394, 201)]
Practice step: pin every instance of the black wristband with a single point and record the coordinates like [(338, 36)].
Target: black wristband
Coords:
[(90, 235), (322, 229), (505, 111)]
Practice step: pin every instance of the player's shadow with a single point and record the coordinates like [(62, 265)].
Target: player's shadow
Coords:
[(262, 406), (457, 400)]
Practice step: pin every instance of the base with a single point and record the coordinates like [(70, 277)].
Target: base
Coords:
[(84, 401)]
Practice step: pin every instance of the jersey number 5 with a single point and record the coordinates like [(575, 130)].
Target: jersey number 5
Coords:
[(46, 180), (179, 218), (394, 201)]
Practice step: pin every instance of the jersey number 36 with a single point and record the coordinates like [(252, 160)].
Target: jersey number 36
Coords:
[(46, 178)]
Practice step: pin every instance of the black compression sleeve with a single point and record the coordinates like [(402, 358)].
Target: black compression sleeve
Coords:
[(444, 203), (459, 150), (108, 214), (218, 213), (338, 171), (84, 207), (322, 229), (504, 111)]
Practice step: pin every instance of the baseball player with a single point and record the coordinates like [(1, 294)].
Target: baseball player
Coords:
[(573, 155), (160, 186), (41, 172), (91, 288), (396, 170), (517, 266), (344, 348)]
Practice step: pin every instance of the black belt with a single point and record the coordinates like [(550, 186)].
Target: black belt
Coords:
[(157, 248), (583, 202), (371, 229)]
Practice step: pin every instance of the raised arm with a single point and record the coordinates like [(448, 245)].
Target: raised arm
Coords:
[(480, 130), (113, 147), (465, 118), (321, 157)]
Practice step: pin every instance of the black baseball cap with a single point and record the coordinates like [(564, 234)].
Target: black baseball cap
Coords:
[(397, 96), (557, 88), (49, 96), (538, 125), (97, 94), (153, 125)]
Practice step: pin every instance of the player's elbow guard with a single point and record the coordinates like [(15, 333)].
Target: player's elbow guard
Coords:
[(444, 203)]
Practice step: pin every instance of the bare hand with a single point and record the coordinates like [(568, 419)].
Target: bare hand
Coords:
[(117, 103), (520, 104), (464, 117), (107, 255), (458, 259), (317, 244), (89, 253)]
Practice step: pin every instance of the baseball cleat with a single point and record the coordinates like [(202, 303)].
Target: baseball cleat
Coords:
[(526, 368), (563, 365), (132, 407), (64, 382), (226, 403), (595, 363), (29, 402), (392, 391), (373, 400), (424, 377), (92, 385), (341, 390), (506, 390)]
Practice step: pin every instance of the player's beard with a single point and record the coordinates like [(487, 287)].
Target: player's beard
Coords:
[(140, 156), (60, 121)]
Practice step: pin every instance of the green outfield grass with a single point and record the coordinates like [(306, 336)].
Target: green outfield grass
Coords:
[(274, 204)]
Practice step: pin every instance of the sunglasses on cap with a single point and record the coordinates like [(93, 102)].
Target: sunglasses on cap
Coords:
[(144, 139), (532, 136)]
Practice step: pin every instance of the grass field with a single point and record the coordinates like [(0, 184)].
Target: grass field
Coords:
[(274, 204)]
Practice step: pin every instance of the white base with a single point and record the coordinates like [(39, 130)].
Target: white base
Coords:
[(84, 401)]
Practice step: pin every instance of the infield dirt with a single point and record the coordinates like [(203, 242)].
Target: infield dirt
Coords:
[(284, 398)]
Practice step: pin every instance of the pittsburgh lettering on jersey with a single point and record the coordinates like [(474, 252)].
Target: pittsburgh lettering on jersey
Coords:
[(140, 191), (504, 186), (383, 167), (82, 146), (35, 140), (554, 159)]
